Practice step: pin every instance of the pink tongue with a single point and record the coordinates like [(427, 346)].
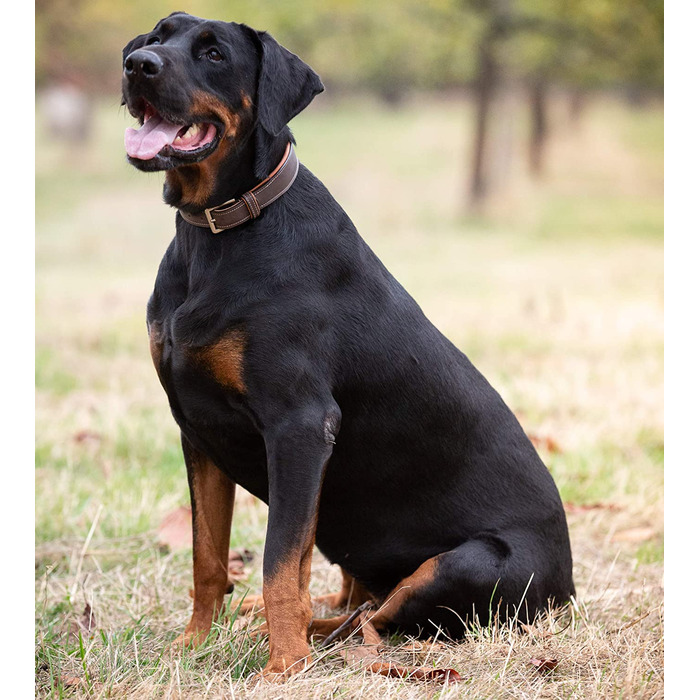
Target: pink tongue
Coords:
[(146, 142)]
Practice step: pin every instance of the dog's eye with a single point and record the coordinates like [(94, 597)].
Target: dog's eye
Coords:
[(214, 54), (153, 40)]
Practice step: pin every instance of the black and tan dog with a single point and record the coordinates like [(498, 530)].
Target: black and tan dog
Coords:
[(299, 368)]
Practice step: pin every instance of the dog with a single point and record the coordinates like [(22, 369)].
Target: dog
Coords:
[(296, 366)]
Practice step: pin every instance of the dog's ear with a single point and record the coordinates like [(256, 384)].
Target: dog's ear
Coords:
[(135, 43), (285, 85)]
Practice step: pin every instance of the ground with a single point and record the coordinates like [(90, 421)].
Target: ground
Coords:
[(555, 292)]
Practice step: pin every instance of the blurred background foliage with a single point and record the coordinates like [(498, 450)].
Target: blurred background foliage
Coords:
[(390, 45), (484, 48)]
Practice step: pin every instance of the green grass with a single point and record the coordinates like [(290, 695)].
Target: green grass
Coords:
[(50, 376), (555, 292)]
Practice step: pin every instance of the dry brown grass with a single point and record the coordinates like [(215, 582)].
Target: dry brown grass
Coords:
[(556, 297)]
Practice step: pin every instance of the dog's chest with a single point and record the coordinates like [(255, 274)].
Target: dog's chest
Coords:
[(207, 394), (198, 378)]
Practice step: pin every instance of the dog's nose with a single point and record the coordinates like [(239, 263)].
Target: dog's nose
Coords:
[(142, 62)]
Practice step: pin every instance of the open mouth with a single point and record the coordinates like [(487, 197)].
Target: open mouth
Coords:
[(160, 136)]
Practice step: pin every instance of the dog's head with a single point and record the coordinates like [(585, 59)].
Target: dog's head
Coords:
[(202, 88)]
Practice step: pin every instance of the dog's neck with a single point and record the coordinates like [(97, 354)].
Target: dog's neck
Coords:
[(229, 172)]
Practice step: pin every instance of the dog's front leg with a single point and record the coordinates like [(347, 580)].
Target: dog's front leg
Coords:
[(212, 494), (298, 452)]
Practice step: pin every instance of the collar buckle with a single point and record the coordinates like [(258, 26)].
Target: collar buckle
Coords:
[(212, 221)]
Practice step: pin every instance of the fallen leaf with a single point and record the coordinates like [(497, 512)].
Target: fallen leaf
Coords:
[(175, 531), (237, 571), (72, 681), (86, 436), (545, 664), (237, 575), (244, 555), (544, 441), (634, 534), (415, 673), (370, 659), (88, 621), (85, 625), (368, 654)]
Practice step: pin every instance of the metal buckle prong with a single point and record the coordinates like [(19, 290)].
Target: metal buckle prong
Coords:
[(212, 223)]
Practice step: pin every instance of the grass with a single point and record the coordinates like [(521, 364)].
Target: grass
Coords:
[(555, 293)]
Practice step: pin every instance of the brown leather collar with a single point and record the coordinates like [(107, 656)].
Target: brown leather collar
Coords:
[(249, 205)]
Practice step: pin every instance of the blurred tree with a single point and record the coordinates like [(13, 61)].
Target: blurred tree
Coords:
[(388, 47), (582, 44), (393, 46)]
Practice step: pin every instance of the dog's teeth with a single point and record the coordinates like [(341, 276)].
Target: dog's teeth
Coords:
[(189, 134)]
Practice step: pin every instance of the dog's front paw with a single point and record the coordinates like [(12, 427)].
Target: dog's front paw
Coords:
[(189, 639), (279, 669)]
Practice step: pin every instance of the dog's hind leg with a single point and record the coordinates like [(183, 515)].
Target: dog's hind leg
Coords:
[(351, 595), (212, 494), (449, 589), (250, 604)]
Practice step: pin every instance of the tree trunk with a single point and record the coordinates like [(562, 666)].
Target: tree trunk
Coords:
[(539, 126), (485, 91), (577, 102)]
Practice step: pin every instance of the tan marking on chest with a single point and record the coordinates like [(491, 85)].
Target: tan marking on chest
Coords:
[(155, 342), (223, 359)]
